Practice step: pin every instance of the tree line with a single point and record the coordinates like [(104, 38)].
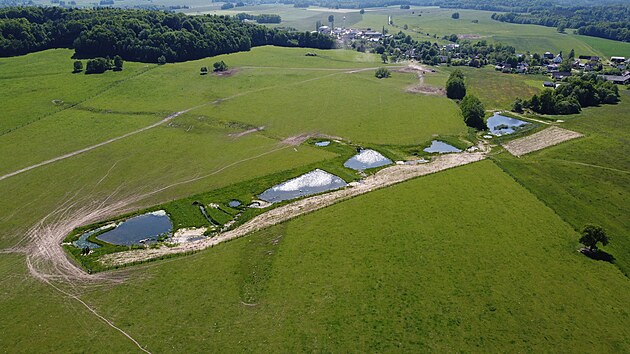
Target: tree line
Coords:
[(611, 22), (139, 35), (570, 97), (472, 109), (262, 18)]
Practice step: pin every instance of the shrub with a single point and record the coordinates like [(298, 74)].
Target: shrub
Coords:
[(382, 73), (220, 66)]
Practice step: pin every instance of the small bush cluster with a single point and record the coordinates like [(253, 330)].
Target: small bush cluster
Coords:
[(382, 73)]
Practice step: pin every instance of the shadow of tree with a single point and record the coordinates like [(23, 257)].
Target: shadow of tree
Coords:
[(598, 255)]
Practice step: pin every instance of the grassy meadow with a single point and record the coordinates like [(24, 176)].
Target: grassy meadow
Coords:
[(477, 258), (464, 260), (586, 180), (524, 38)]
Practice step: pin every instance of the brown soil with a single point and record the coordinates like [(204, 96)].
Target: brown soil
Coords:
[(226, 73), (470, 36), (246, 132), (540, 140)]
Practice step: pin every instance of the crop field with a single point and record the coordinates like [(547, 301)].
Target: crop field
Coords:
[(586, 180)]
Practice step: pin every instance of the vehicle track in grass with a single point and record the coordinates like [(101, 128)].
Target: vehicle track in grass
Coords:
[(170, 118)]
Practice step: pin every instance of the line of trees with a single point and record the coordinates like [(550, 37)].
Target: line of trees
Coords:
[(139, 35), (262, 18), (472, 109), (569, 98)]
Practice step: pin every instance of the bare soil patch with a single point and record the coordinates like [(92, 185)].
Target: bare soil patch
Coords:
[(540, 140), (421, 87), (226, 73), (246, 132), (470, 36)]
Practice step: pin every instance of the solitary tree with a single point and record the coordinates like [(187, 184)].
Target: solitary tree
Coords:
[(331, 19), (384, 58), (473, 112), (78, 66), (455, 88), (592, 235), (362, 11), (161, 60), (455, 15), (204, 70), (118, 63)]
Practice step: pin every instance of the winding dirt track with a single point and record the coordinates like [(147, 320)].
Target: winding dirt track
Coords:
[(386, 177)]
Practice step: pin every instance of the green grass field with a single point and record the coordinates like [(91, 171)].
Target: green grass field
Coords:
[(477, 258), (461, 260), (523, 37), (586, 180)]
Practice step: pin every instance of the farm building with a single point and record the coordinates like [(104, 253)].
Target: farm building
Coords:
[(617, 79), (560, 75), (618, 59)]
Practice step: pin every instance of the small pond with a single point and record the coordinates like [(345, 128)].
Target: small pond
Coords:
[(367, 159), (441, 147), (83, 242), (140, 229), (322, 143), (502, 125), (314, 182), (234, 204)]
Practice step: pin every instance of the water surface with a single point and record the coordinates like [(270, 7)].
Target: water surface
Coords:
[(146, 228), (502, 125), (441, 147)]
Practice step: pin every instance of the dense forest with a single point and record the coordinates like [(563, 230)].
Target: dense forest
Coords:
[(612, 22), (138, 35)]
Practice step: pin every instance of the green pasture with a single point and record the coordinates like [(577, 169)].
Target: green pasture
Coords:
[(495, 89), (460, 260), (302, 19), (38, 85), (279, 88), (586, 180), (524, 38)]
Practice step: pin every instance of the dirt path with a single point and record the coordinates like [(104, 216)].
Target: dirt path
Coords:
[(550, 136), (386, 177), (75, 153)]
